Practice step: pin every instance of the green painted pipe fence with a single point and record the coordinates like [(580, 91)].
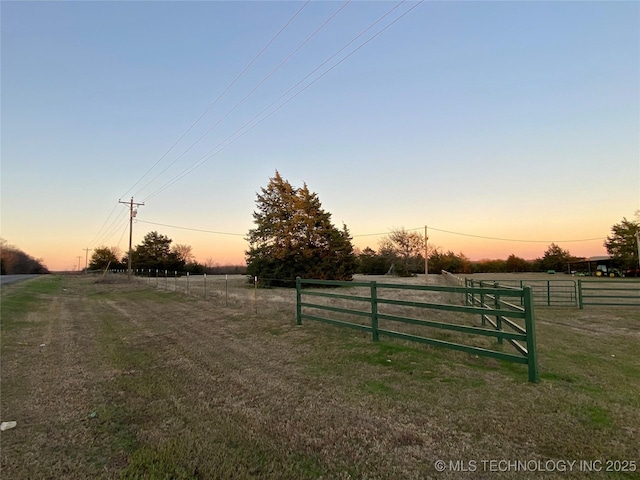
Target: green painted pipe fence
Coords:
[(502, 313), (612, 292), (609, 292)]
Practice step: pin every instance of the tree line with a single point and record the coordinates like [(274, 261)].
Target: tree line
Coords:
[(393, 257), (14, 261), (294, 236), (157, 254)]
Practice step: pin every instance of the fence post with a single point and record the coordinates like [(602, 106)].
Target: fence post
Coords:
[(255, 292), (298, 301), (188, 291), (226, 289), (482, 303), (205, 286), (374, 311), (529, 321), (166, 280), (175, 280), (548, 293), (496, 298), (580, 301)]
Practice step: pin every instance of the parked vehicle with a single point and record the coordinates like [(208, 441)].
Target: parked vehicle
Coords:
[(605, 271)]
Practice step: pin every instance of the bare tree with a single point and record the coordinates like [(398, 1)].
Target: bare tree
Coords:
[(184, 253), (404, 248)]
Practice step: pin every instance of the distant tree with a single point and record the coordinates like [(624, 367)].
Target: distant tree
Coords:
[(490, 266), (555, 258), (195, 268), (622, 244), (449, 261), (155, 253), (516, 264), (105, 257), (294, 237), (183, 252), (14, 261), (372, 263), (405, 250)]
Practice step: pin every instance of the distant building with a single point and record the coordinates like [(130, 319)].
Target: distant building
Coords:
[(601, 265)]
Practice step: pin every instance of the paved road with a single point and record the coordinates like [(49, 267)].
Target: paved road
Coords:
[(6, 279)]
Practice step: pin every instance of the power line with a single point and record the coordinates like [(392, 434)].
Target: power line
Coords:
[(390, 231), (515, 240), (230, 140), (228, 87), (260, 83), (122, 234), (97, 235), (113, 228), (192, 229)]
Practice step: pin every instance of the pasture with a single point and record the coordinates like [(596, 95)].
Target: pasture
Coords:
[(132, 381)]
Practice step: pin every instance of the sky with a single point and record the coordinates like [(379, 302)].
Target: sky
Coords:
[(501, 126)]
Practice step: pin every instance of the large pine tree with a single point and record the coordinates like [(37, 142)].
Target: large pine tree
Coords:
[(294, 237)]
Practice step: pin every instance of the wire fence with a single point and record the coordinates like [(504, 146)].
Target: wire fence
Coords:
[(229, 291)]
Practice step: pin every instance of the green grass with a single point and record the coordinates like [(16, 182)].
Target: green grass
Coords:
[(25, 297)]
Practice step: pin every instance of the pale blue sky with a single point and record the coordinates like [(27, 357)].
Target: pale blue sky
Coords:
[(515, 120)]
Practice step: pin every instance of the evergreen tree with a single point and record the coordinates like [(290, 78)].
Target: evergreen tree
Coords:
[(104, 257), (622, 244), (294, 237), (155, 252), (371, 263), (555, 258)]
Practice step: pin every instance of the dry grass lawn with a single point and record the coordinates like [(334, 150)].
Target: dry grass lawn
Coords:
[(112, 380)]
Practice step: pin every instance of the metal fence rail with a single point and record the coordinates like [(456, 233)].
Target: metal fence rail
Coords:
[(609, 292), (550, 293), (570, 293), (507, 319)]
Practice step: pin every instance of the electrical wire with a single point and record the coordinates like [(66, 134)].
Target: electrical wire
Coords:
[(230, 140), (235, 107), (122, 235), (228, 87), (114, 227), (513, 239), (97, 235), (388, 232), (191, 229)]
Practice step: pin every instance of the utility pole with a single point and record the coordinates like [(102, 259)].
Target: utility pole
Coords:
[(79, 257), (132, 213), (638, 245), (426, 256), (86, 260)]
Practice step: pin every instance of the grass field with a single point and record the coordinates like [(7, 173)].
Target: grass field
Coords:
[(112, 380)]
